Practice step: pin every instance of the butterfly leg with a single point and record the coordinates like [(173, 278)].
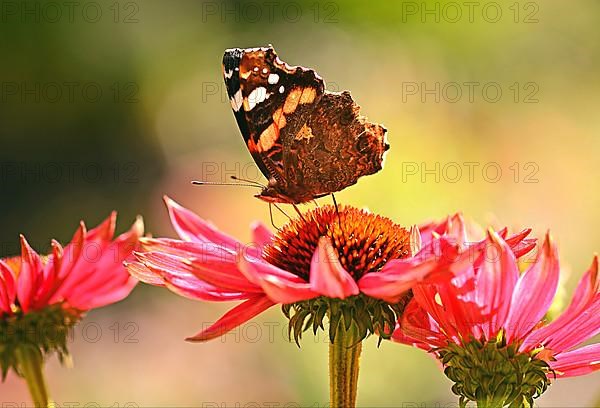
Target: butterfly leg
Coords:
[(299, 212), (337, 211), (281, 211), (272, 220)]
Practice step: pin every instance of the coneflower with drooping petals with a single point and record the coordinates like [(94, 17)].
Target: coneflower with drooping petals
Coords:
[(487, 327), (43, 297)]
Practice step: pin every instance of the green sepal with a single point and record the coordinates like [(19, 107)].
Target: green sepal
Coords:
[(369, 315), (46, 330), (493, 373)]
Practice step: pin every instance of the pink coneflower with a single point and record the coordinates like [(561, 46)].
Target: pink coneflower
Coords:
[(353, 267), (487, 327), (42, 297), (360, 260)]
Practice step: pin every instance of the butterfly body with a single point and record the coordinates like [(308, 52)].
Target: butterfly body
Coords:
[(307, 141)]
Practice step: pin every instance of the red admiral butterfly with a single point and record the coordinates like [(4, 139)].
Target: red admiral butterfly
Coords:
[(307, 141)]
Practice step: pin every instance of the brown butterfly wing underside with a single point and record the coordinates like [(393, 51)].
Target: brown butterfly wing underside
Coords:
[(308, 142)]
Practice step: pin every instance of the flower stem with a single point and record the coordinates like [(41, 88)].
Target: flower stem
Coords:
[(344, 355), (31, 365)]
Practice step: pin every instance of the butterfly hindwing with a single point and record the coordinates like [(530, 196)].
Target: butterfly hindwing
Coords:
[(334, 148)]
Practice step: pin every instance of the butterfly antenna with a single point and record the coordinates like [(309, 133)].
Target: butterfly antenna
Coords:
[(215, 183), (256, 183)]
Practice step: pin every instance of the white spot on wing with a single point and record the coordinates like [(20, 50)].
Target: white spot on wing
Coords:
[(273, 79), (281, 89), (229, 74), (257, 96), (236, 100)]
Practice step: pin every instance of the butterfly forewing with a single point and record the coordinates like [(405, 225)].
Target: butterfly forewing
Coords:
[(308, 142), (269, 99)]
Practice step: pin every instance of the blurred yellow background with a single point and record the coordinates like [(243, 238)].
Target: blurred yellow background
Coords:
[(491, 109)]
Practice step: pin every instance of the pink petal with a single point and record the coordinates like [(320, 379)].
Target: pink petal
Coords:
[(7, 287), (327, 275), (226, 275), (515, 239), (234, 318), (190, 227), (139, 271), (277, 286), (418, 329), (457, 230), (426, 296), (182, 282), (587, 290), (464, 315), (447, 300), (577, 323), (399, 275), (71, 253), (60, 265), (496, 282), (394, 279), (577, 362), (105, 231), (566, 334), (127, 242), (192, 288), (261, 235), (105, 296), (29, 275), (415, 240), (188, 249), (78, 261), (533, 293), (520, 244), (429, 230), (443, 250), (221, 274), (98, 277), (108, 283), (264, 268), (51, 280)]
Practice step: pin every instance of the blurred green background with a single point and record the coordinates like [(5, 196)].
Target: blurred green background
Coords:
[(109, 105)]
